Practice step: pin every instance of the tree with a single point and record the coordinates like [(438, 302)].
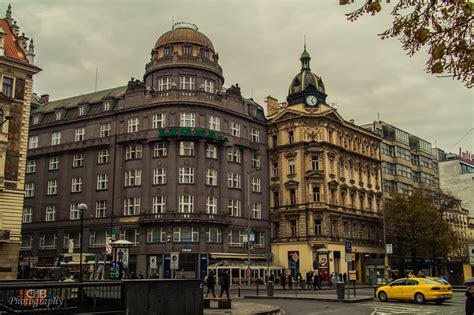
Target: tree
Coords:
[(442, 26), (416, 229)]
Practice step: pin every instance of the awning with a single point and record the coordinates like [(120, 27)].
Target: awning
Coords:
[(237, 256)]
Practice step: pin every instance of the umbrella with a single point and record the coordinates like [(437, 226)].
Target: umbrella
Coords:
[(469, 281)]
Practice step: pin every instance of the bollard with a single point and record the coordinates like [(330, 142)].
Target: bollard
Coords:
[(238, 291)]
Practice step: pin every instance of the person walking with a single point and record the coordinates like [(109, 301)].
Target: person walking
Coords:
[(316, 281), (290, 282), (283, 280), (225, 283), (210, 283), (332, 280), (344, 277)]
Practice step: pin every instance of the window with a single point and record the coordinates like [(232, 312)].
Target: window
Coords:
[(234, 180), (27, 215), (186, 83), (293, 228), (214, 123), (186, 175), (234, 155), (259, 239), (101, 209), (314, 161), (402, 153), (255, 135), (255, 160), (7, 88), (81, 111), (164, 84), (50, 213), (107, 105), (160, 149), (74, 212), (58, 115), (158, 204), (235, 129), (208, 86), (48, 240), (187, 50), (236, 237), (155, 235), (33, 142), (131, 235), (275, 170), (213, 235), (334, 228), (318, 227), (52, 187), (133, 125), (131, 206), (186, 203), (30, 166), (316, 194), (291, 166), (387, 149), (211, 177), (256, 184), (159, 176), (211, 205), (133, 178), (276, 229), (133, 152), (292, 193), (331, 166), (158, 121), (56, 138), (403, 171), (274, 140), (74, 237), (76, 185), (29, 190), (53, 163), (185, 234), (97, 238), (26, 242), (388, 168), (102, 181), (103, 156), (34, 120), (104, 130), (291, 137), (168, 50), (187, 120), (186, 148), (402, 136), (211, 151), (340, 169), (235, 208), (78, 160), (276, 198), (257, 210)]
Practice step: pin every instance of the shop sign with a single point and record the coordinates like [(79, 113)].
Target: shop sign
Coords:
[(153, 262), (191, 133), (389, 249), (353, 275), (174, 261), (323, 260)]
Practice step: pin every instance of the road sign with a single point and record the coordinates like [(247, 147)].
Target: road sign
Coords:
[(471, 254), (348, 251), (153, 262), (174, 262), (389, 249)]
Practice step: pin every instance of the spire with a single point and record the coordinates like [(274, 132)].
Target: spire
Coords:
[(305, 58), (8, 14), (31, 47)]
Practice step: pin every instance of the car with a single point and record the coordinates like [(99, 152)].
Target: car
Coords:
[(438, 279), (415, 289)]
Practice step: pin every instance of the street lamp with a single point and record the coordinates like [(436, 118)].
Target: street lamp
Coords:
[(7, 118), (81, 207), (248, 221)]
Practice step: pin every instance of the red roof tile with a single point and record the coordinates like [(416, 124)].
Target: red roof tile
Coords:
[(12, 49)]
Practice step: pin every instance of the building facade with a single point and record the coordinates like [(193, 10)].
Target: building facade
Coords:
[(17, 69), (325, 185), (173, 163)]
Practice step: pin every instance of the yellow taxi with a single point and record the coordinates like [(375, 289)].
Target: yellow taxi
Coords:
[(415, 289)]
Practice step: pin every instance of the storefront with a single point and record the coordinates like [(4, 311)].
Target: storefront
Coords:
[(238, 271)]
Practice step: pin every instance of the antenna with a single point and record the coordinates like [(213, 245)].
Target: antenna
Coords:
[(172, 21), (378, 116), (96, 75), (252, 93), (304, 41)]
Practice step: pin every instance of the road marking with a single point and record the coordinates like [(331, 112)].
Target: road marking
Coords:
[(404, 309)]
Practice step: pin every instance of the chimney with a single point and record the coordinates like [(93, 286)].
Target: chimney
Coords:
[(45, 98), (272, 105), (30, 53)]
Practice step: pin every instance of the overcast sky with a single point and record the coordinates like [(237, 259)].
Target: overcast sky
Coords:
[(259, 45)]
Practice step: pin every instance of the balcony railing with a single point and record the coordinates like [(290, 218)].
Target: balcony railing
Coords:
[(326, 238), (183, 217), (191, 60)]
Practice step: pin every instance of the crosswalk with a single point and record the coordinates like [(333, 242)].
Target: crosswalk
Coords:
[(395, 308)]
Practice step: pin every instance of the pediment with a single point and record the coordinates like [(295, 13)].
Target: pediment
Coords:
[(291, 183), (286, 115), (314, 174), (333, 115)]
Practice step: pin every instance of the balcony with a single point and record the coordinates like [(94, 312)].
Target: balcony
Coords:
[(173, 61), (326, 238), (176, 95), (178, 217)]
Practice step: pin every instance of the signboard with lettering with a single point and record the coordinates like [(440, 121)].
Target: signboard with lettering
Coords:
[(153, 264), (389, 249), (348, 252)]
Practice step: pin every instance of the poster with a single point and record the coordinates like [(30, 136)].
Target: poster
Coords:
[(122, 256), (294, 262)]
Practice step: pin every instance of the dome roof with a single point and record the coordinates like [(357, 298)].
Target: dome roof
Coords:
[(306, 80), (184, 33)]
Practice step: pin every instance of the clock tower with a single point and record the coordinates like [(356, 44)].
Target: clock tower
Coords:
[(306, 87)]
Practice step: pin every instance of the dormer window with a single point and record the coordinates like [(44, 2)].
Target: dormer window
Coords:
[(187, 50), (35, 120), (107, 105), (168, 51), (58, 115), (81, 111)]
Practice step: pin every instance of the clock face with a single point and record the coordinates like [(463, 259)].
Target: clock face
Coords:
[(311, 100)]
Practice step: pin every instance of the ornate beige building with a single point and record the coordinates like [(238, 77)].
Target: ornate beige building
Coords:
[(16, 75), (325, 184)]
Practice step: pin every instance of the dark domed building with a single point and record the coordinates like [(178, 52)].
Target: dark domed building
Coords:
[(175, 163)]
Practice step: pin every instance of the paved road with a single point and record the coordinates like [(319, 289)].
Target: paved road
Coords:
[(292, 307)]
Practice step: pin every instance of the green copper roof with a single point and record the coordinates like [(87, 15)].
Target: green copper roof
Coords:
[(305, 55)]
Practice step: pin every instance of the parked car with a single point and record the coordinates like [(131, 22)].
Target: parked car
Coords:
[(415, 289), (438, 279)]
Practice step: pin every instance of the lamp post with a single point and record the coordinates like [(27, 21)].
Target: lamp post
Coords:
[(7, 118), (248, 222), (81, 207)]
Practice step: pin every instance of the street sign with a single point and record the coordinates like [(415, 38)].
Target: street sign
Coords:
[(471, 254), (389, 249), (153, 262), (174, 262), (352, 275), (348, 248)]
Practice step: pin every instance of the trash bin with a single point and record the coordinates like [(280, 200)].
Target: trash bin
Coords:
[(269, 288), (340, 290), (302, 283)]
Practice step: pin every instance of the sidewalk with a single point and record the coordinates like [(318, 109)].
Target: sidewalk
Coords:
[(325, 297), (240, 308)]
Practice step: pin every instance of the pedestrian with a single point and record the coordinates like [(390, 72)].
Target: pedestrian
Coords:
[(133, 275), (469, 306), (309, 279), (316, 281), (340, 277), (225, 283), (332, 282), (140, 275), (290, 282), (210, 281), (283, 280), (344, 277)]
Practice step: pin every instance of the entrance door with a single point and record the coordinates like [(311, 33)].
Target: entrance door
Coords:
[(188, 266)]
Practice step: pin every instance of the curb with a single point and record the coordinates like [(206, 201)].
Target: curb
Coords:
[(355, 300)]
